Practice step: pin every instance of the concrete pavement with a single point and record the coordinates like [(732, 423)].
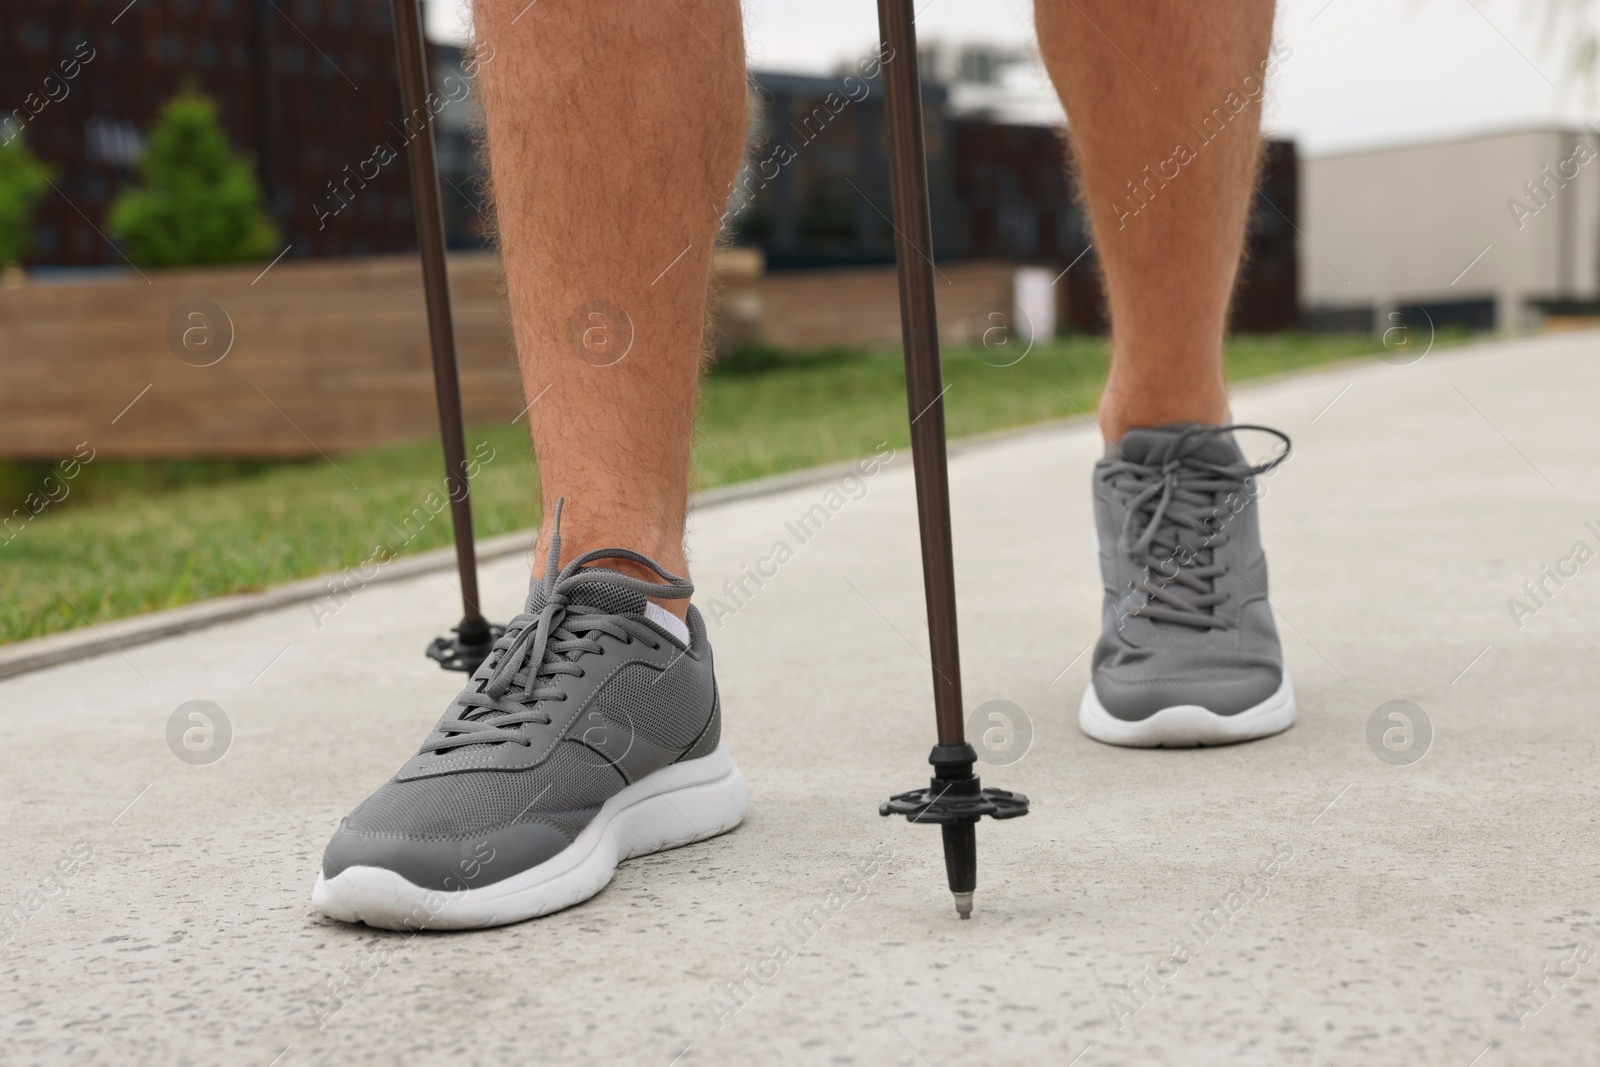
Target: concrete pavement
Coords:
[(1295, 900)]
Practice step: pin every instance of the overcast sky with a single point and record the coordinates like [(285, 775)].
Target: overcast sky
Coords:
[(1363, 72)]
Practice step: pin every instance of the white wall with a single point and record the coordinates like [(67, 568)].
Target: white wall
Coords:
[(1397, 225)]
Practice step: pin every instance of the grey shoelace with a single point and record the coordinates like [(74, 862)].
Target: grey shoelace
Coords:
[(1173, 524), (538, 647)]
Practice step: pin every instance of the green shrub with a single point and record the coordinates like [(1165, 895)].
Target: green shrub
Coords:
[(23, 180), (200, 202)]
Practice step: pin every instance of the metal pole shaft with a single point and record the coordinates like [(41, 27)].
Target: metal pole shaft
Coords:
[(919, 327), (412, 47)]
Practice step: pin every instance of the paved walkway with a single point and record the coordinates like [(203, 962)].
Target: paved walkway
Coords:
[(1293, 901)]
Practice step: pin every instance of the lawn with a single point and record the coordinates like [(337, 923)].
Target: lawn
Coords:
[(135, 537)]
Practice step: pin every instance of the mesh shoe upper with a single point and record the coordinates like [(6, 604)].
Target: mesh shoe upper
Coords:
[(1186, 618), (583, 695), (564, 791)]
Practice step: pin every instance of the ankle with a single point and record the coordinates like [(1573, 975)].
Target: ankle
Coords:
[(1124, 407), (678, 566), (671, 559)]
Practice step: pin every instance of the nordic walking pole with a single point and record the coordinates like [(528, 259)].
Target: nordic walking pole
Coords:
[(474, 636), (955, 800)]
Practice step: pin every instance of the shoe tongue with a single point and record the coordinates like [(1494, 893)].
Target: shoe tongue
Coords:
[(597, 587), (1153, 446)]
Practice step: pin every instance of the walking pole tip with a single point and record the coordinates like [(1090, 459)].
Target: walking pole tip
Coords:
[(955, 801)]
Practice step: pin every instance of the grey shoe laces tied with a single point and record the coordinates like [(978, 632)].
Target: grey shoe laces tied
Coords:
[(1178, 496), (542, 646)]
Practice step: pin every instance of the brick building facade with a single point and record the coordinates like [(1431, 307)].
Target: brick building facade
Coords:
[(307, 88)]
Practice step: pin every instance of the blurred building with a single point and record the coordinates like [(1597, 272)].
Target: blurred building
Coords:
[(815, 193), (814, 189), (994, 82), (306, 87), (1493, 231)]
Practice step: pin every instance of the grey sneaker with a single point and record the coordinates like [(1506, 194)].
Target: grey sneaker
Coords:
[(590, 735), (1188, 654)]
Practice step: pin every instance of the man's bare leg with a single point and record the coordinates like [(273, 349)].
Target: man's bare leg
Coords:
[(1163, 101), (1133, 77), (615, 130)]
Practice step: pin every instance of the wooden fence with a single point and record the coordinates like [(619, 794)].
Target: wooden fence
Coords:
[(332, 355)]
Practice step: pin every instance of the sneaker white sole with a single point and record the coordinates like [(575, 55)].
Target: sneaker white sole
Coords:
[(1188, 725), (677, 805)]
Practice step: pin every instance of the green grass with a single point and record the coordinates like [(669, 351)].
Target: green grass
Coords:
[(134, 537)]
